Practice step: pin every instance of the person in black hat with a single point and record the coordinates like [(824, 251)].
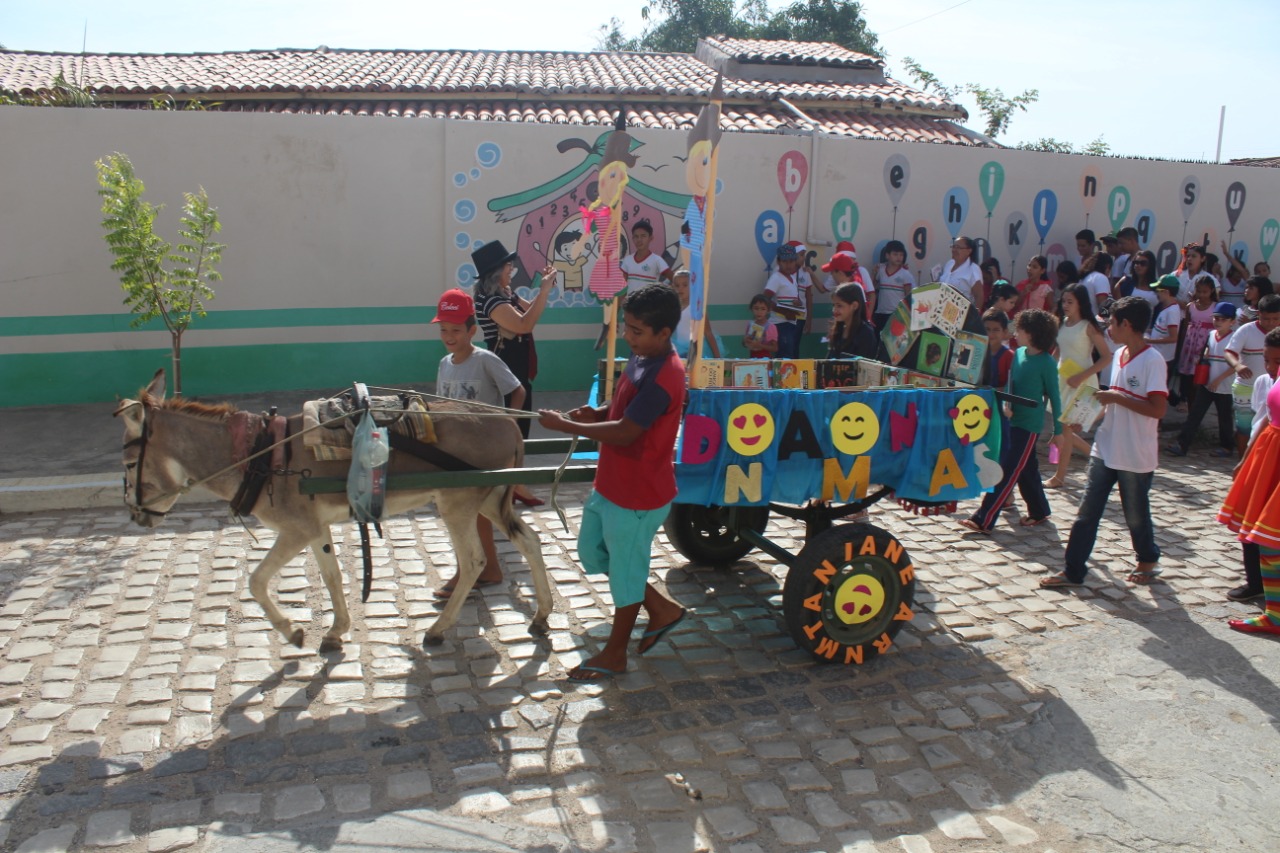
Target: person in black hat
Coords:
[(507, 322)]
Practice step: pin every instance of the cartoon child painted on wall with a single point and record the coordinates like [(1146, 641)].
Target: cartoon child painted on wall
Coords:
[(571, 269), (699, 173)]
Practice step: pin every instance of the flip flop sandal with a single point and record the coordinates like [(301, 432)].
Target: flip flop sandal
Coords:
[(1058, 581), (658, 633), (973, 527), (595, 674), (1144, 577), (1033, 522)]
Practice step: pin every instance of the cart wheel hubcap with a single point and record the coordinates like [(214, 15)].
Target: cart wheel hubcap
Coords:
[(857, 599)]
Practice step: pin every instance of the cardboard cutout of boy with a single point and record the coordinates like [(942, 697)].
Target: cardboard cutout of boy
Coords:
[(699, 217)]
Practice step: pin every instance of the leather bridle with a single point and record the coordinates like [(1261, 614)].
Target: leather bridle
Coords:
[(141, 443)]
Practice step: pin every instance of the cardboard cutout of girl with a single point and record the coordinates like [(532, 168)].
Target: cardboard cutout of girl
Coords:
[(605, 213), (606, 280)]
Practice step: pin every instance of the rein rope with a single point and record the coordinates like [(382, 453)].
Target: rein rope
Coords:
[(495, 411)]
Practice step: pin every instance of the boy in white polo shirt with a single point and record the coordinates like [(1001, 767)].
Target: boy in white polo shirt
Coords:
[(1126, 449), (642, 268)]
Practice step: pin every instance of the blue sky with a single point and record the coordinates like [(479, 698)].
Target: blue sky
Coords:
[(1149, 77)]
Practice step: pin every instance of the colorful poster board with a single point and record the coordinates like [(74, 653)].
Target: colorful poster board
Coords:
[(746, 448)]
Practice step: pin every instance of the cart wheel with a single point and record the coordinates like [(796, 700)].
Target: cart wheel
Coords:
[(708, 534), (848, 593)]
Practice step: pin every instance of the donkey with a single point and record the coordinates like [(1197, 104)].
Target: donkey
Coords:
[(171, 444)]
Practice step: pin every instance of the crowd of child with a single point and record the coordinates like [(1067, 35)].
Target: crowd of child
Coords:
[(1111, 330)]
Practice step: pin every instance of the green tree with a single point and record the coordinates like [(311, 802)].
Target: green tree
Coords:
[(175, 293), (62, 93), (674, 26), (997, 108), (1097, 148)]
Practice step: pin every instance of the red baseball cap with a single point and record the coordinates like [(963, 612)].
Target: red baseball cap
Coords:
[(839, 262), (455, 306), (846, 246)]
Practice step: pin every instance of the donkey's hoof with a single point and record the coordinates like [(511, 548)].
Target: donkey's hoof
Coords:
[(296, 637), (429, 640), (330, 644), (538, 629)]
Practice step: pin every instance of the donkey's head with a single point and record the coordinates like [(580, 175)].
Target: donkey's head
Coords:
[(152, 481)]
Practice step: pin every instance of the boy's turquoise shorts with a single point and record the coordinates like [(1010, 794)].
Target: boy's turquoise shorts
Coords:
[(616, 541)]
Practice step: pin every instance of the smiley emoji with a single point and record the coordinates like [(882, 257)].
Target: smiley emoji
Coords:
[(859, 599), (855, 429), (971, 419), (750, 429)]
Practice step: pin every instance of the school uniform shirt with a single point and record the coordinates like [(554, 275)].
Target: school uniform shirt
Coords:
[(481, 378), (643, 273), (1214, 354), (892, 289), (1167, 321), (1261, 411), (1126, 440), (786, 294), (642, 475), (1097, 285), (1246, 345), (962, 278), (1233, 293)]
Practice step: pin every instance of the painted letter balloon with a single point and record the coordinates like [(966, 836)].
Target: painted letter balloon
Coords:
[(991, 185), (955, 209), (897, 174), (1235, 203), (770, 231), (793, 172), (1043, 211), (1188, 196)]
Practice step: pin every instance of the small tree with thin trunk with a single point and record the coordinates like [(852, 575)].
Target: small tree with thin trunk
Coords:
[(158, 279)]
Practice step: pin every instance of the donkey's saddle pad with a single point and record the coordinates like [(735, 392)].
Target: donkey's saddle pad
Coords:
[(405, 415)]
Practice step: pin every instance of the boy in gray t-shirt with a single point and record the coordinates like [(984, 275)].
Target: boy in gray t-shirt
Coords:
[(476, 375)]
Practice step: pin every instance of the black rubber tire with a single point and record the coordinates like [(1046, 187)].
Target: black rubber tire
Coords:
[(707, 534), (860, 570)]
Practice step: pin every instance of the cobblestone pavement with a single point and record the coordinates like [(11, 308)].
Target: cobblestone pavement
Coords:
[(145, 704)]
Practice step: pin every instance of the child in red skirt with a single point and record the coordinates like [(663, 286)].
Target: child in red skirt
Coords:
[(1252, 511)]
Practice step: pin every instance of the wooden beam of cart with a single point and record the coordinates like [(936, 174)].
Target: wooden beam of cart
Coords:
[(583, 472)]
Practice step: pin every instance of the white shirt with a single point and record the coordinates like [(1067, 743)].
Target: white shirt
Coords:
[(1126, 440), (1233, 293), (893, 288), (1098, 285), (1246, 345), (1167, 319), (787, 294), (643, 273), (1120, 268), (1217, 364), (962, 278), (1261, 414)]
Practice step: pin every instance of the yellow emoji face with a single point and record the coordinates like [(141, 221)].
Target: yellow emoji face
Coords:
[(750, 429), (855, 429), (971, 419), (859, 598)]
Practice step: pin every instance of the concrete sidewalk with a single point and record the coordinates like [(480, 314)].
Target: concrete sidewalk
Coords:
[(68, 457)]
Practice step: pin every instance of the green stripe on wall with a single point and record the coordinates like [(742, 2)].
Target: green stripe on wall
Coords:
[(92, 377), (283, 318)]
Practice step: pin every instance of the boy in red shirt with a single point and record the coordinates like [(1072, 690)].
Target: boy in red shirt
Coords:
[(635, 477)]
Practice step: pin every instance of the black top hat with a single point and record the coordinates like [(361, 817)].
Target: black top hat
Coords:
[(489, 257)]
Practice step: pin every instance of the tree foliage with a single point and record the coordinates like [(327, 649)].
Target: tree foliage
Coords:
[(674, 26), (159, 280), (1097, 148), (62, 93), (997, 108)]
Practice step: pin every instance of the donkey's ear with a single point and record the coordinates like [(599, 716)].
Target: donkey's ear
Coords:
[(130, 410), (156, 388)]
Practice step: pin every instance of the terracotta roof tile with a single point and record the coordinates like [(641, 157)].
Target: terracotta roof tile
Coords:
[(792, 52), (430, 72), (660, 90)]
